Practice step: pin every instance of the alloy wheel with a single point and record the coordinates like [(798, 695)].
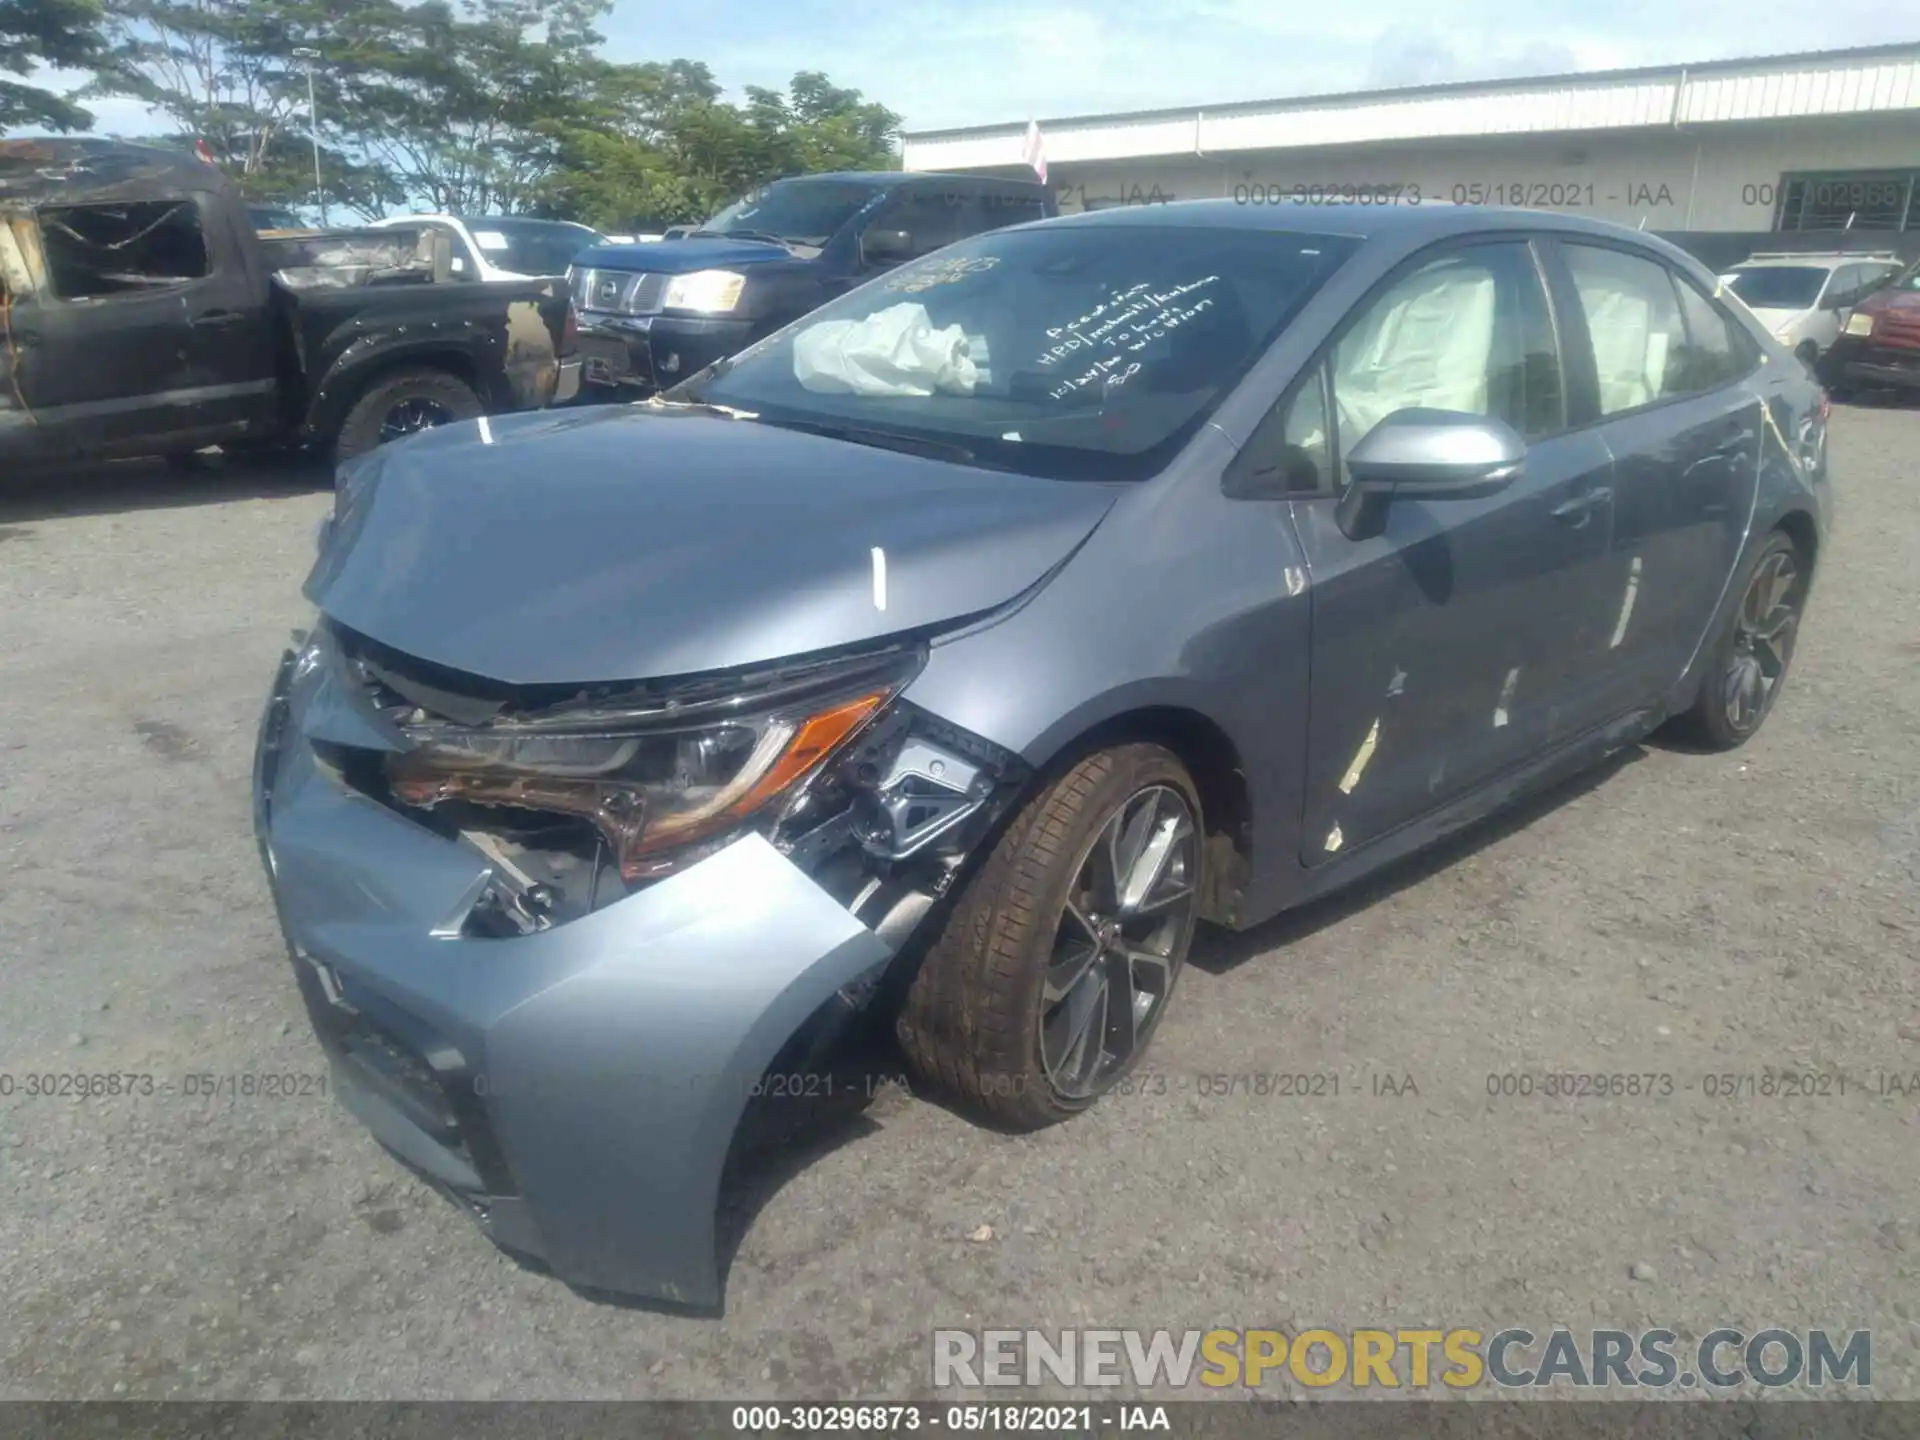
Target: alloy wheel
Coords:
[(1119, 943), (1763, 635), (409, 417)]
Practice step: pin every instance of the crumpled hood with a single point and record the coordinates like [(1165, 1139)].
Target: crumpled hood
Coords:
[(681, 257), (628, 544)]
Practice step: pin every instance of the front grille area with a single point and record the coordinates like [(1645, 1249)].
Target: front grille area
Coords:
[(623, 292)]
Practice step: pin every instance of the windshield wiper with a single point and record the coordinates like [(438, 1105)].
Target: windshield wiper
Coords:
[(882, 440), (738, 235)]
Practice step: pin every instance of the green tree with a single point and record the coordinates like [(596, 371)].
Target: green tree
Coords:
[(657, 146), (467, 108), (235, 74), (65, 34)]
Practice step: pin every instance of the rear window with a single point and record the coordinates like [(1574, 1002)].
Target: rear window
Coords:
[(98, 250), (1778, 287)]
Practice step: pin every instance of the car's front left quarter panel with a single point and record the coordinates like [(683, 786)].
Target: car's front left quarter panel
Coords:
[(1183, 605)]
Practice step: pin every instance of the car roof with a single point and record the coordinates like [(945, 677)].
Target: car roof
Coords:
[(86, 170), (887, 179), (1814, 260), (1416, 223)]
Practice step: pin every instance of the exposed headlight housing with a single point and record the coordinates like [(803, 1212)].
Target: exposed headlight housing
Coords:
[(714, 292), (658, 780)]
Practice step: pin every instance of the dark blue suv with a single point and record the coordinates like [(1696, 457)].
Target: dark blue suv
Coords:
[(653, 314)]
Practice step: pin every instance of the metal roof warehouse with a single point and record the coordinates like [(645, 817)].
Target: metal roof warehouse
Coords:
[(1805, 150)]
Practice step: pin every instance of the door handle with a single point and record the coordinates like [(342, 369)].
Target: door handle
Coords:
[(216, 319), (1576, 510)]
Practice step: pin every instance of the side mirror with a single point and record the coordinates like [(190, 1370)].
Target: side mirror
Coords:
[(885, 247), (1418, 454)]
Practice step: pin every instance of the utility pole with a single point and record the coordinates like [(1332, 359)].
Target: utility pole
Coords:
[(309, 55)]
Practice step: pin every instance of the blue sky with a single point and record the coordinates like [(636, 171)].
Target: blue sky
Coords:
[(967, 62)]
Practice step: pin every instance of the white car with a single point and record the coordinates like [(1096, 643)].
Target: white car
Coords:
[(506, 247), (1804, 299)]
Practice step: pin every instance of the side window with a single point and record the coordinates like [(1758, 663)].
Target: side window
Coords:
[(1000, 210), (1842, 285), (1291, 450), (94, 251), (932, 217), (1469, 332), (1633, 321), (1715, 353)]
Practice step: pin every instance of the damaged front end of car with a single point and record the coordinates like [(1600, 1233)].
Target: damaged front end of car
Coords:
[(554, 938)]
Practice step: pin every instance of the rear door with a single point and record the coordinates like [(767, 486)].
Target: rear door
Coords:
[(1461, 640), (1660, 368)]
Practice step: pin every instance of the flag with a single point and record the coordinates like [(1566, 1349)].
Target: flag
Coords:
[(206, 155), (1032, 152)]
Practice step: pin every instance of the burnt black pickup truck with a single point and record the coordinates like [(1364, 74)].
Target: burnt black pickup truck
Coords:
[(141, 314)]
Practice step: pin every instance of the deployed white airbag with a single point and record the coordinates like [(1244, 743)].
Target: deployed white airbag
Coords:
[(894, 352)]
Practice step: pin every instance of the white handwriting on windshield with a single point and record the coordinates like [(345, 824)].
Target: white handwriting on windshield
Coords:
[(1101, 370), (1129, 322)]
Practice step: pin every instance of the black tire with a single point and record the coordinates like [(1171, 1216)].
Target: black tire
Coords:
[(970, 1024), (446, 397), (1808, 354), (1712, 722)]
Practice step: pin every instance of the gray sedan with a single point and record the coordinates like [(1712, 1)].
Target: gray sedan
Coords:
[(939, 663)]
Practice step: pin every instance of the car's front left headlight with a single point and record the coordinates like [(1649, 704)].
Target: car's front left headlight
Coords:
[(658, 780), (1858, 324), (714, 292)]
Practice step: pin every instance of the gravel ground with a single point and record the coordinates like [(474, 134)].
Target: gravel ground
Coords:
[(1675, 913)]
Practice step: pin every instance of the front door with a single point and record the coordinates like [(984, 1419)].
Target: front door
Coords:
[(1461, 639), (153, 334)]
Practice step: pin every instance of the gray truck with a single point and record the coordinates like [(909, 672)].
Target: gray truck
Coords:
[(141, 313)]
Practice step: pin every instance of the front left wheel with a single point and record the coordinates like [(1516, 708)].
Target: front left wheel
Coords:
[(1053, 969)]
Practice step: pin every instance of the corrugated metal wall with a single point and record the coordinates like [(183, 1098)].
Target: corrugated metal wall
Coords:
[(1812, 86)]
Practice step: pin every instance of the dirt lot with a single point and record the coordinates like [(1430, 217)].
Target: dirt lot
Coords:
[(1676, 914)]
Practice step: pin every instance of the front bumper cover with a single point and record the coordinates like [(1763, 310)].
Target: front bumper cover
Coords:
[(578, 1089), (656, 350), (1853, 360)]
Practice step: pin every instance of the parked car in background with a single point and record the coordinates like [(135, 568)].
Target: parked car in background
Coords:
[(271, 218), (941, 661), (653, 314), (146, 316), (1804, 298), (1881, 340), (507, 247)]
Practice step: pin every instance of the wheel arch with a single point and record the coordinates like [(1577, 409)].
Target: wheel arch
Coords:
[(1209, 755), (1800, 527), (347, 385)]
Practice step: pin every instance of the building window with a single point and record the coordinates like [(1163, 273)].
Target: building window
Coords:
[(1850, 200)]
